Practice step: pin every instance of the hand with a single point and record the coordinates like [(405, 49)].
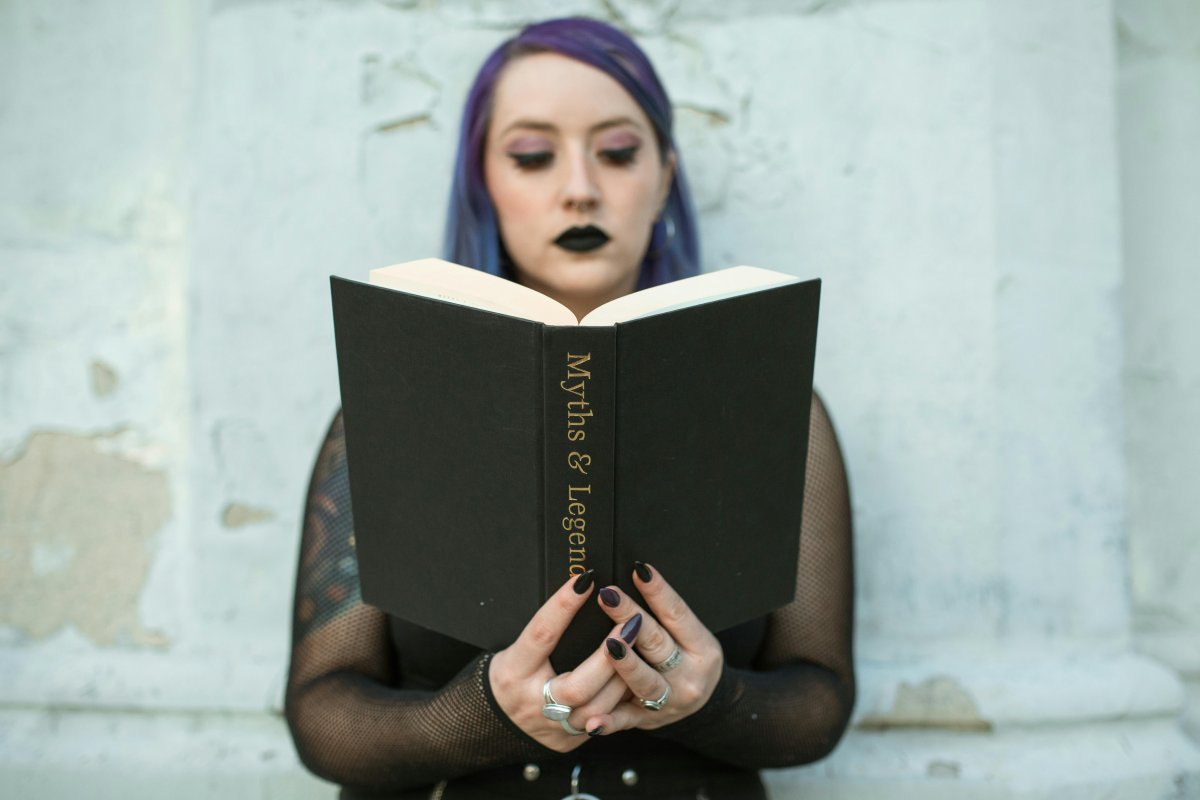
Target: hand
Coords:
[(672, 625), (519, 671)]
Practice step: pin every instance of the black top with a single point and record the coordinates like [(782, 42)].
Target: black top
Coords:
[(382, 706)]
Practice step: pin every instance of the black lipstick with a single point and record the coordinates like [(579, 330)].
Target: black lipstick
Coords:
[(582, 240)]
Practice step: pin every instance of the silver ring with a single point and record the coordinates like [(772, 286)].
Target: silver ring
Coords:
[(569, 728), (552, 709), (670, 662), (656, 705)]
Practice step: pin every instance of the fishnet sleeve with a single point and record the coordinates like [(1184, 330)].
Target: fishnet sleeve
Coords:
[(793, 708), (349, 723)]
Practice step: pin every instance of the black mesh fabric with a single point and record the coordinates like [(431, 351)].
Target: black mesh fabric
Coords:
[(379, 707)]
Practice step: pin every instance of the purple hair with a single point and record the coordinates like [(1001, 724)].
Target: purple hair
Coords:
[(472, 236)]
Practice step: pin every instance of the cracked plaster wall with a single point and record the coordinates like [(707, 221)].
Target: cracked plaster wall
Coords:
[(851, 140), (180, 180), (92, 374)]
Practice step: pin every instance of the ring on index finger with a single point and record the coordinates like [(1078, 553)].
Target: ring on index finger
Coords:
[(670, 662), (552, 709)]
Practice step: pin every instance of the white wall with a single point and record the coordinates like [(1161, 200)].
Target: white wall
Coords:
[(177, 181), (1159, 95)]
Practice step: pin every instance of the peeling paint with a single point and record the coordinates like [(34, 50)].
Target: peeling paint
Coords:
[(237, 515), (641, 17), (700, 133), (396, 80), (75, 530), (939, 702), (104, 379), (943, 769), (404, 122), (714, 116), (397, 95)]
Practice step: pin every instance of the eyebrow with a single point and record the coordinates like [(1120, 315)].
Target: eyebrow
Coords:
[(539, 125)]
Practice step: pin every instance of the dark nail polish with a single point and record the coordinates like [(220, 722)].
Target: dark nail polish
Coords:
[(596, 731), (643, 571), (616, 648), (630, 630), (609, 597), (584, 581)]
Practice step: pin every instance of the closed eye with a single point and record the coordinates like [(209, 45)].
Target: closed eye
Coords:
[(620, 156), (533, 160)]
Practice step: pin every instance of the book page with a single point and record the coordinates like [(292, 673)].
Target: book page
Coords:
[(453, 283), (693, 291)]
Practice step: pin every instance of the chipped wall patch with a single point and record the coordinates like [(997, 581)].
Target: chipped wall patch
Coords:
[(939, 702), (104, 379), (237, 515), (75, 528), (943, 769)]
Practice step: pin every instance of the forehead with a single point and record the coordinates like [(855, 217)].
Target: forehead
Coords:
[(568, 94)]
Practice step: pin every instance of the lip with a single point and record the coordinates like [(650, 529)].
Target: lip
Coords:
[(582, 239)]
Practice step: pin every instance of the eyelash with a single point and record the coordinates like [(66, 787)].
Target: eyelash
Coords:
[(620, 157)]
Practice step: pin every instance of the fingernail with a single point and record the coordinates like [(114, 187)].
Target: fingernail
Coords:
[(616, 648), (596, 731), (630, 630), (643, 571), (584, 581), (610, 597)]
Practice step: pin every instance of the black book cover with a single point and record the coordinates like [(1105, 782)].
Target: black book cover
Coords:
[(491, 457)]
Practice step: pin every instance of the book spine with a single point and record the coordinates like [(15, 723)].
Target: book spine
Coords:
[(579, 403)]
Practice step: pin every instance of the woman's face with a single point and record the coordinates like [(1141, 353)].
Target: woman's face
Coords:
[(576, 177)]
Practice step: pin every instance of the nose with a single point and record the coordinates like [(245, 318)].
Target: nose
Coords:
[(580, 192)]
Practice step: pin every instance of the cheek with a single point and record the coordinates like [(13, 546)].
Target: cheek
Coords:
[(641, 197), (516, 206)]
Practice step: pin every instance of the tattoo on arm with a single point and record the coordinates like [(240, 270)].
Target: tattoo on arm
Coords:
[(327, 586)]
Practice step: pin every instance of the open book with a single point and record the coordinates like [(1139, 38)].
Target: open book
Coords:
[(497, 446), (442, 280)]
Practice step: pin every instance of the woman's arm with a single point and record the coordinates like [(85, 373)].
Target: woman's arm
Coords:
[(795, 706), (349, 725)]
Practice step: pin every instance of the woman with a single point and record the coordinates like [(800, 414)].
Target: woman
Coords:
[(568, 181)]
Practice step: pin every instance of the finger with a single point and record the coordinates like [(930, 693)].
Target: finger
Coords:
[(581, 684), (642, 679), (603, 702), (625, 717), (544, 629), (653, 641), (669, 609)]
